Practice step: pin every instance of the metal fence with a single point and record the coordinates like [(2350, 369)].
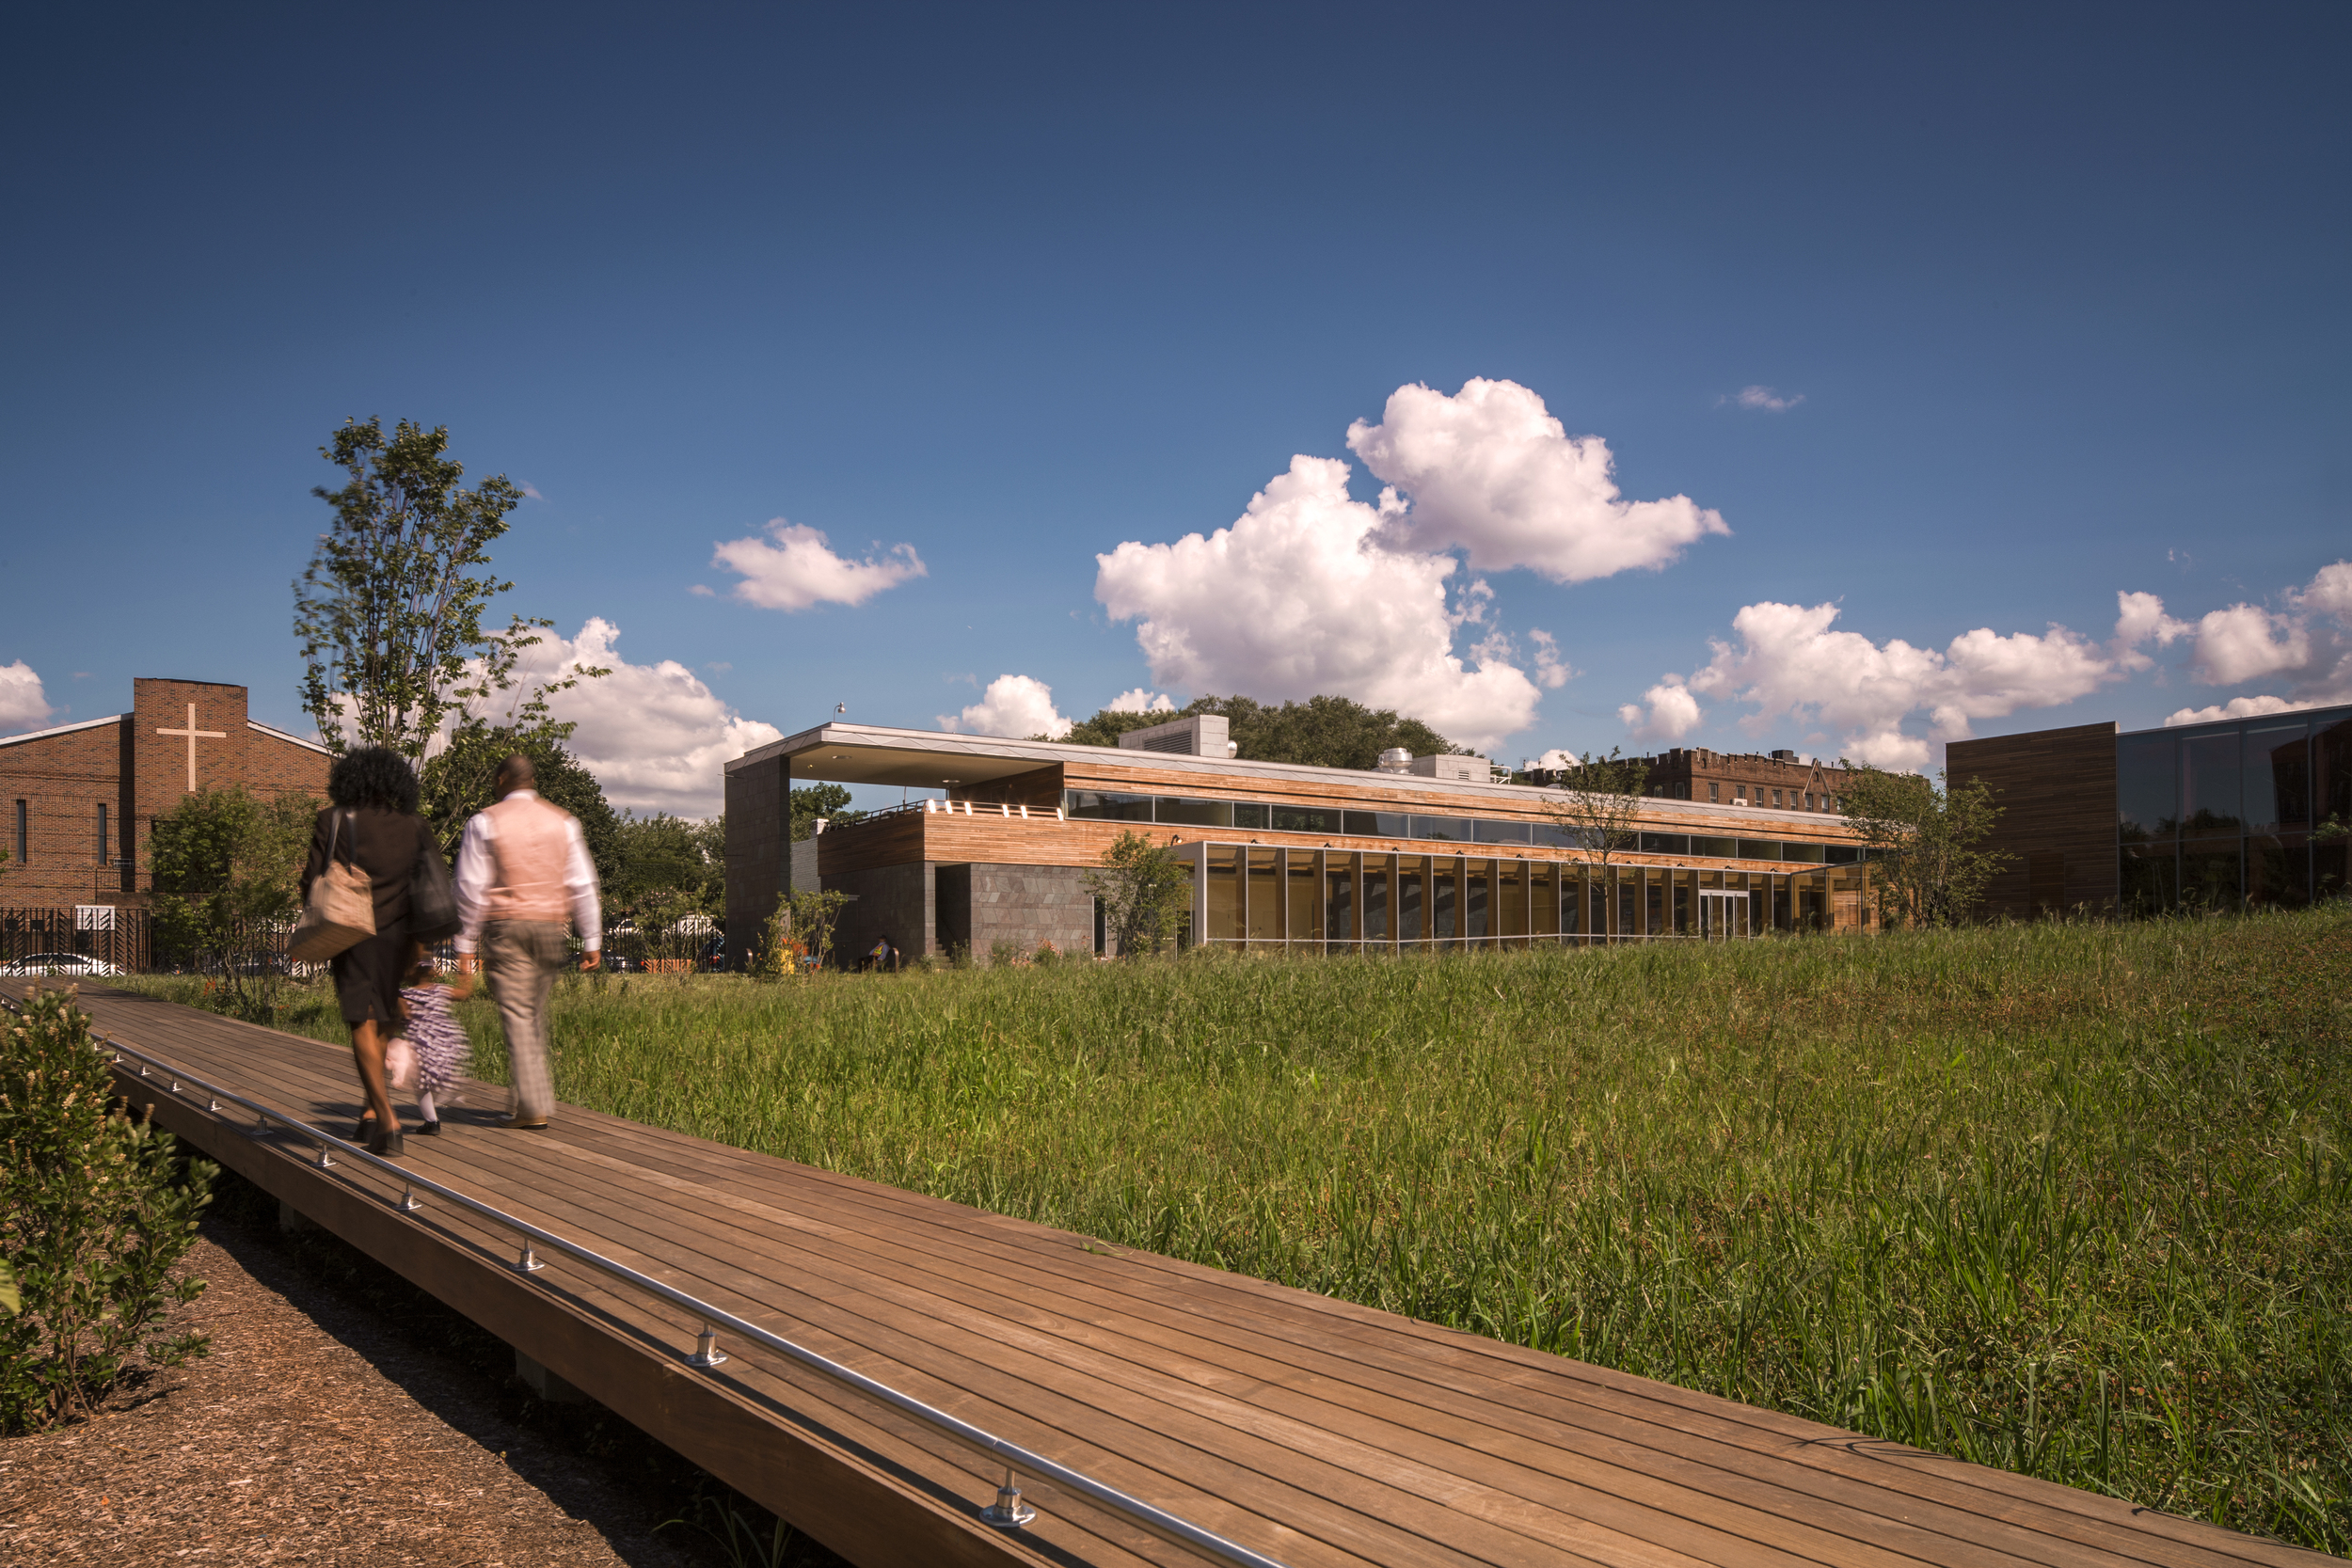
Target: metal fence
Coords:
[(110, 934)]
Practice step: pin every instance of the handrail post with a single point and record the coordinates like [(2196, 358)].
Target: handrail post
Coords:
[(706, 1351), (1008, 1512)]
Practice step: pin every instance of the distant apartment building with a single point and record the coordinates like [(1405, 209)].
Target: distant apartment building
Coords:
[(1775, 781)]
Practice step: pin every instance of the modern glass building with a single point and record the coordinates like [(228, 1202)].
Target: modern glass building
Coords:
[(2234, 814), (1280, 856), (2249, 812)]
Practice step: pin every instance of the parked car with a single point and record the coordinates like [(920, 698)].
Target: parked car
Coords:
[(58, 963)]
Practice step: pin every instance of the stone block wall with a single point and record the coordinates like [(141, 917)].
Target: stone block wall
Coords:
[(1029, 905), (887, 900), (757, 826)]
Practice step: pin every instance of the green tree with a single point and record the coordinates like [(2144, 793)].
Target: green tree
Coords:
[(96, 1212), (228, 868), (828, 801), (389, 609), (1598, 807), (661, 853), (1327, 732), (809, 917), (1144, 893), (462, 777), (1925, 864)]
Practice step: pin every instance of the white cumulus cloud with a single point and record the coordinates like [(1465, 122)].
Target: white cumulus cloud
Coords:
[(2307, 641), (1305, 594), (2236, 708), (1672, 712), (1489, 471), (1789, 662), (1552, 671), (794, 568), (1017, 707), (22, 706), (656, 737), (2246, 641), (1141, 700)]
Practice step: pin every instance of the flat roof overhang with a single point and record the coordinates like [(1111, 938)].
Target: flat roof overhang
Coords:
[(913, 759), (933, 759)]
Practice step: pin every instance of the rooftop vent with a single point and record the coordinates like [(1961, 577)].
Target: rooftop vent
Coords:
[(1470, 769), (1783, 755), (1396, 759), (1204, 735)]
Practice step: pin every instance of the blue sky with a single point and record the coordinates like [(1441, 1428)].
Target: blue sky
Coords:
[(2054, 298)]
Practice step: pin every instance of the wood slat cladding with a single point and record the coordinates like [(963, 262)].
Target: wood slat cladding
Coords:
[(1365, 791), (2056, 789), (893, 840), (988, 837)]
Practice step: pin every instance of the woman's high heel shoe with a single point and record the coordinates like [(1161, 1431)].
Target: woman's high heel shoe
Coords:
[(386, 1143)]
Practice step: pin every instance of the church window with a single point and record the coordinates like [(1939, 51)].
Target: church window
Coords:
[(1776, 799), (101, 833), (1714, 792), (24, 841)]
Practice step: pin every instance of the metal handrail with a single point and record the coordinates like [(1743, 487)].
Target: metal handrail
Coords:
[(1007, 1512)]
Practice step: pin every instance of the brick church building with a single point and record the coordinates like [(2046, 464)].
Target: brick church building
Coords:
[(80, 799)]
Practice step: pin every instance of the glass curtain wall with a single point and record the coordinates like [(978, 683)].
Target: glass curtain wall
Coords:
[(1341, 901), (2231, 816)]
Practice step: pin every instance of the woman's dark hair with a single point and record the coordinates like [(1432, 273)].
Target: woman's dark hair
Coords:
[(374, 776)]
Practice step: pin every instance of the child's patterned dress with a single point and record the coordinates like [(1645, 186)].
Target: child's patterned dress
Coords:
[(439, 1037)]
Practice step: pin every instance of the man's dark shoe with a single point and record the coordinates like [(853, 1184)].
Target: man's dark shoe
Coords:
[(523, 1124)]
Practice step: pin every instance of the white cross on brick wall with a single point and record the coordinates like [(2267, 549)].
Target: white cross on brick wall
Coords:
[(194, 734)]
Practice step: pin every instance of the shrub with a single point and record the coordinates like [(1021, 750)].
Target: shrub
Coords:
[(96, 1211)]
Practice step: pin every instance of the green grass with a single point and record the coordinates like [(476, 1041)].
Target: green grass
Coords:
[(2071, 1200)]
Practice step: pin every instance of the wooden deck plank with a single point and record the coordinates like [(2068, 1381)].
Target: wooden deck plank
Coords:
[(1319, 1430)]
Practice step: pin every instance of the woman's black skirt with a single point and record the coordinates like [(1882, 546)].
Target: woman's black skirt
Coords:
[(367, 978)]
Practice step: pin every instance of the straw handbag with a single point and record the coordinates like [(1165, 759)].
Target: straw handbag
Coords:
[(341, 910)]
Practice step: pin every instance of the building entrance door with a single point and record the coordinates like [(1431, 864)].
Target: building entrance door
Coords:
[(1723, 914)]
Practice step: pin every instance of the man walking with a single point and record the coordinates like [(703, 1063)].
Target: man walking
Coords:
[(522, 869)]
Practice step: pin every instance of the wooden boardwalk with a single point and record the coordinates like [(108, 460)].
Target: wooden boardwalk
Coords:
[(1316, 1432)]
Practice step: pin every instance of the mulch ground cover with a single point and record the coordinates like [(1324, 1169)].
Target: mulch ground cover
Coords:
[(341, 1417)]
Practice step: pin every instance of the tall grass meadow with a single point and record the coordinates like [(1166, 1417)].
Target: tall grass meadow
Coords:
[(2070, 1199)]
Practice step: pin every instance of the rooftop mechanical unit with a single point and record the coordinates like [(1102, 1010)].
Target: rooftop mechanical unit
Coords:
[(1201, 735)]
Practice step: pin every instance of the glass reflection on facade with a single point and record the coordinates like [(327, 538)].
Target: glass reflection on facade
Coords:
[(2147, 788), (2235, 815), (2210, 786)]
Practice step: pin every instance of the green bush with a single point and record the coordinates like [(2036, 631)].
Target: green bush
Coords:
[(96, 1211)]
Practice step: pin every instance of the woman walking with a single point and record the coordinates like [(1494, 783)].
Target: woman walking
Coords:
[(373, 825)]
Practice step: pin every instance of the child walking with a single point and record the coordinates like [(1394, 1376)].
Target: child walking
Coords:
[(433, 1032)]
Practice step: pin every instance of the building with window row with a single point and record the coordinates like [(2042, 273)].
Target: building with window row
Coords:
[(81, 798), (1781, 779), (1279, 854), (2247, 812)]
